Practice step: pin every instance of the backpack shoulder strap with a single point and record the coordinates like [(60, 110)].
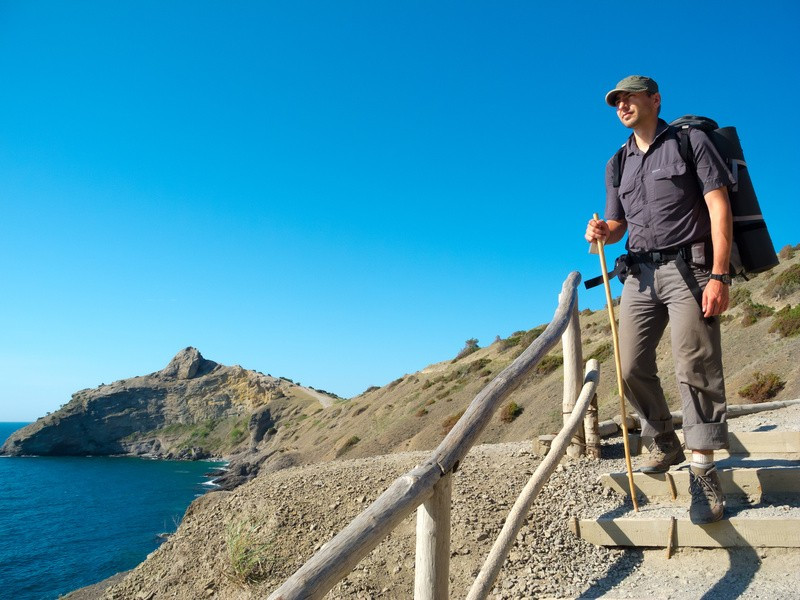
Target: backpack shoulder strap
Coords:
[(617, 164), (685, 146)]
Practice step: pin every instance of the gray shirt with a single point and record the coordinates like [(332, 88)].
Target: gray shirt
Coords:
[(659, 196)]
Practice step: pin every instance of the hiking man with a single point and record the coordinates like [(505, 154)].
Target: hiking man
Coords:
[(679, 226)]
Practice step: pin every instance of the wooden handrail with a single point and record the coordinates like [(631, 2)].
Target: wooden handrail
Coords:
[(340, 555), (483, 583)]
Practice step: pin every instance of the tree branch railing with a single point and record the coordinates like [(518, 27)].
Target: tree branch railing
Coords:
[(428, 485)]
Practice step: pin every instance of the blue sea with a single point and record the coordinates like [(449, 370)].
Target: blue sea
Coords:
[(69, 522)]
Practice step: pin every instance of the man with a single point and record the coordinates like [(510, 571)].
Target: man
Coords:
[(679, 226)]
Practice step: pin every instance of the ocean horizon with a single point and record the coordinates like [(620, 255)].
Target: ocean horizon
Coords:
[(68, 522)]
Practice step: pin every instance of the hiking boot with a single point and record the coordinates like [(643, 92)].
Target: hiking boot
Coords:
[(708, 503), (665, 451)]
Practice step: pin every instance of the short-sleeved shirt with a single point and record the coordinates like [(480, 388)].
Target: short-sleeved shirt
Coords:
[(662, 198)]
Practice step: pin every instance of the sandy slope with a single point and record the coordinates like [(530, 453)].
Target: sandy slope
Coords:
[(296, 510)]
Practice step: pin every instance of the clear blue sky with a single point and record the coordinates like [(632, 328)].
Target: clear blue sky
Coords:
[(335, 192)]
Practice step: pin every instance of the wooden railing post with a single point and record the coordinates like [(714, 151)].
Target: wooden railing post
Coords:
[(591, 427), (573, 378), (432, 575)]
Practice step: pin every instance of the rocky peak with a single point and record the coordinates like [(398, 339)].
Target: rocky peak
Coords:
[(187, 364)]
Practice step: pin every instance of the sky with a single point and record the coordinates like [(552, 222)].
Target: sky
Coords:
[(335, 192)]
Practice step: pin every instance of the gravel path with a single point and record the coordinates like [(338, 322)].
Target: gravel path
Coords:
[(293, 512)]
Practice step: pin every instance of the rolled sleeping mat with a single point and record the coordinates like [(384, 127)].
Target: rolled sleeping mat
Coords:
[(754, 246)]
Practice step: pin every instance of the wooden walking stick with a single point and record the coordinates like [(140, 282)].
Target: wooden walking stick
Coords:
[(600, 245)]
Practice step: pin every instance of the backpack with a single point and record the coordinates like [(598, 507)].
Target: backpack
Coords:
[(752, 250)]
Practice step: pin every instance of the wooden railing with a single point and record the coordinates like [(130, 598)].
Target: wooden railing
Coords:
[(428, 485)]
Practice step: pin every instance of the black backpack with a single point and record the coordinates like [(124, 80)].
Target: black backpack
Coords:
[(752, 249)]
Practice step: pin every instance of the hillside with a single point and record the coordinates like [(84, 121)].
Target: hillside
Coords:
[(241, 545), (195, 407)]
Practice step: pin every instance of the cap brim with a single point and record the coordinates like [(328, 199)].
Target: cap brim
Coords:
[(611, 97)]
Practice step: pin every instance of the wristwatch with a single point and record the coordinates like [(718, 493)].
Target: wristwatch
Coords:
[(724, 277)]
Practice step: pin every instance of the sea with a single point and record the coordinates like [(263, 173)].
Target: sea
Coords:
[(68, 522)]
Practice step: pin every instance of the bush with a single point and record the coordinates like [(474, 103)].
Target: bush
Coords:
[(510, 411), (602, 352), (786, 253), (371, 388), (753, 312), (421, 412), (347, 445), (470, 346), (763, 387), (251, 561), (784, 283), (477, 365), (450, 422), (738, 295), (787, 322), (237, 434), (523, 338), (549, 363)]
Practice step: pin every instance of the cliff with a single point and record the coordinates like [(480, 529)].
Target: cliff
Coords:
[(193, 408)]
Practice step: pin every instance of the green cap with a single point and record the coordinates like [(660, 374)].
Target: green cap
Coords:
[(631, 84)]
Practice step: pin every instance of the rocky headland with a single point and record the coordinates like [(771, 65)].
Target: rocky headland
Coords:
[(193, 408)]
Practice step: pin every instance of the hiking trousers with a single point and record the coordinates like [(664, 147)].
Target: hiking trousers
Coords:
[(652, 298)]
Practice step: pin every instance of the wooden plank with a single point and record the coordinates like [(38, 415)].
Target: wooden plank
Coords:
[(728, 533), (756, 442), (735, 482)]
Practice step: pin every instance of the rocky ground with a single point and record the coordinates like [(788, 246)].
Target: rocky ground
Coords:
[(287, 515)]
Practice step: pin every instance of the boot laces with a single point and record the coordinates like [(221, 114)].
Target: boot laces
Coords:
[(701, 486)]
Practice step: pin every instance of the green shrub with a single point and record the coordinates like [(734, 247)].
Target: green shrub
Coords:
[(477, 365), (786, 253), (738, 295), (602, 352), (237, 434), (522, 338), (549, 363), (450, 422), (753, 312), (348, 444), (787, 321), (470, 346), (250, 561), (510, 411), (371, 388), (784, 283), (763, 387)]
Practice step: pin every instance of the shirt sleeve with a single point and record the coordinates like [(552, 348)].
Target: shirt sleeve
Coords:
[(711, 170), (614, 210)]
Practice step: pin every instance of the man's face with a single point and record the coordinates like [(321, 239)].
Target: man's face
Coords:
[(637, 109)]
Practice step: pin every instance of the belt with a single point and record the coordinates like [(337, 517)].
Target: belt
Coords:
[(659, 257)]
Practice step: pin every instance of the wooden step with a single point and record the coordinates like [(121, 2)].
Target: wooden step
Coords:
[(655, 533), (753, 483), (749, 443)]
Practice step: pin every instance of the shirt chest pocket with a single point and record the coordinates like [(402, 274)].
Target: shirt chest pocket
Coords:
[(669, 181), (631, 196)]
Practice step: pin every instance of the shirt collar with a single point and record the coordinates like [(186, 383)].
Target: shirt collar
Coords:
[(632, 148)]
